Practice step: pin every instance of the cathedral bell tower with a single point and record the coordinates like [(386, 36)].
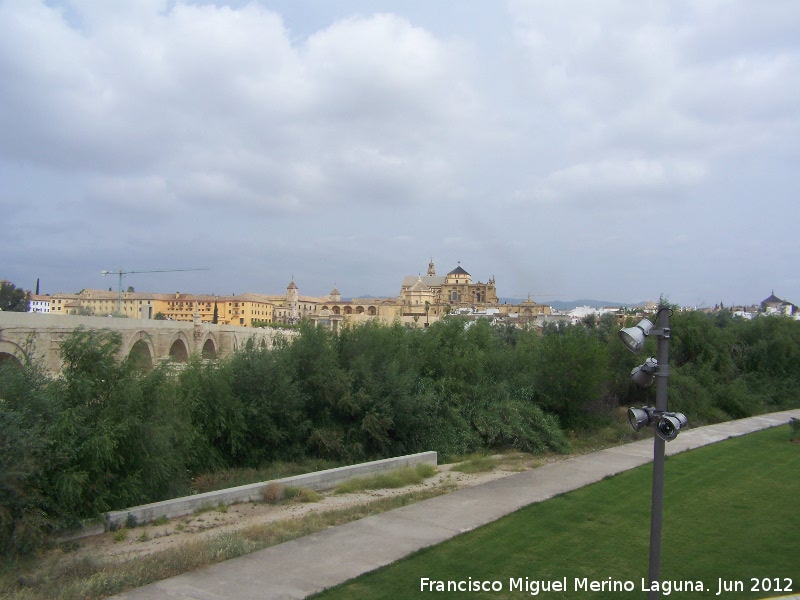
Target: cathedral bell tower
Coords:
[(292, 297)]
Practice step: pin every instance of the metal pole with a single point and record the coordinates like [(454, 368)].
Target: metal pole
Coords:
[(662, 375)]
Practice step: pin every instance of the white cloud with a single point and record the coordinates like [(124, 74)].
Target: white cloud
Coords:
[(152, 193), (613, 183), (665, 73), (225, 95), (604, 178)]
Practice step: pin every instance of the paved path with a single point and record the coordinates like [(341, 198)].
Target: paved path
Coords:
[(310, 564)]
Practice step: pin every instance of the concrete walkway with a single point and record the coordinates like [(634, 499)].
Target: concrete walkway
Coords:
[(310, 564)]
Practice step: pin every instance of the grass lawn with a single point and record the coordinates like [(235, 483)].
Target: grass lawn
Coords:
[(731, 512)]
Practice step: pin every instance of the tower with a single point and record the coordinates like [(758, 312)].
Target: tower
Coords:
[(292, 297)]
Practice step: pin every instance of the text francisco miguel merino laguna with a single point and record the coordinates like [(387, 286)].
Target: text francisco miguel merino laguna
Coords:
[(583, 584)]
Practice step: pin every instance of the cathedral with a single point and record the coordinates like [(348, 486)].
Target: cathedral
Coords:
[(445, 294)]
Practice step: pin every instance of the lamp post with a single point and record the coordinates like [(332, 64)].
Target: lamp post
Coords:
[(667, 425)]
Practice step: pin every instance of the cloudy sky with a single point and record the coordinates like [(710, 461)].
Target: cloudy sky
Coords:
[(582, 149)]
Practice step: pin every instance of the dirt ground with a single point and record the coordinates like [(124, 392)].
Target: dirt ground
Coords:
[(154, 538)]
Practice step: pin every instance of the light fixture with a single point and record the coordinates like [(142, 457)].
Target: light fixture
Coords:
[(639, 417), (645, 374), (669, 425), (634, 337)]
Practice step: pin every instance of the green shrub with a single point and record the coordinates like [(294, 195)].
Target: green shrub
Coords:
[(525, 427), (301, 495)]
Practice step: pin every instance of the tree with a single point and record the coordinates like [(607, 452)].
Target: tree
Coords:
[(24, 413), (119, 440), (570, 375), (130, 289), (12, 298), (215, 317)]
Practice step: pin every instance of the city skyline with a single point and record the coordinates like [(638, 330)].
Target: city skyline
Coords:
[(608, 151), (560, 303)]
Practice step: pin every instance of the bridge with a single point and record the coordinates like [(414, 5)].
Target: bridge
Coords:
[(37, 337)]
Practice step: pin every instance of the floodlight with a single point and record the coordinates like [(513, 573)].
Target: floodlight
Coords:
[(639, 417), (645, 374), (669, 425), (634, 337)]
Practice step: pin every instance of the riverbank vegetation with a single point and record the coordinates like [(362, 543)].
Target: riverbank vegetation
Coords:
[(106, 434)]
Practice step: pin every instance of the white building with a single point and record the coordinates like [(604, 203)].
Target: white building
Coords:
[(39, 304), (581, 312)]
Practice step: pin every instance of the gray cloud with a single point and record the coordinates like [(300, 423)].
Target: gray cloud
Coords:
[(350, 143)]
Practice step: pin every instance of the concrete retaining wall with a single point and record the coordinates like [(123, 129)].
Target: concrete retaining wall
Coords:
[(321, 480)]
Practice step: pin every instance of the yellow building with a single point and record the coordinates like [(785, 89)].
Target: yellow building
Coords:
[(102, 303), (246, 310)]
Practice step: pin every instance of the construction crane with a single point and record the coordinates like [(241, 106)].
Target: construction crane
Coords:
[(120, 272)]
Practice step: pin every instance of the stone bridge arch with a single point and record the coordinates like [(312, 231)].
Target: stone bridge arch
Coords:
[(209, 347), (9, 351), (141, 350), (179, 348), (240, 340)]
